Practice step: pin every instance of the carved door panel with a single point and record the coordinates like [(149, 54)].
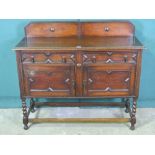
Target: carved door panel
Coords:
[(49, 81), (108, 80)]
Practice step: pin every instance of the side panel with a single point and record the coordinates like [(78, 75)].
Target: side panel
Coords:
[(20, 73)]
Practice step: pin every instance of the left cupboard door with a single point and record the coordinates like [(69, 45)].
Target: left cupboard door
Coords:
[(49, 81)]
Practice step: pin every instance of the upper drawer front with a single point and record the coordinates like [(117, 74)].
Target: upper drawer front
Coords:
[(48, 58), (109, 57), (108, 29), (51, 29)]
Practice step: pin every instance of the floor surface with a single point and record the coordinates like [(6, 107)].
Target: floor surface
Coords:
[(11, 122)]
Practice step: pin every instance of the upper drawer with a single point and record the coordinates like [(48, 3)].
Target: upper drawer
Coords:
[(109, 57), (107, 29), (51, 29), (48, 58)]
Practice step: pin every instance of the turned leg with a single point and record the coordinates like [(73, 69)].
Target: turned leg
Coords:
[(127, 105), (133, 114), (32, 104), (25, 114)]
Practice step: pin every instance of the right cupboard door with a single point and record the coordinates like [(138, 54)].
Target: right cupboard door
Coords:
[(108, 80)]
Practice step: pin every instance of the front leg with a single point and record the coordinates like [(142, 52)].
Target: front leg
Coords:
[(126, 101), (32, 104), (25, 114), (127, 105), (133, 114)]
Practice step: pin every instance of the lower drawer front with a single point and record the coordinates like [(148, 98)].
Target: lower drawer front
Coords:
[(49, 81), (109, 81)]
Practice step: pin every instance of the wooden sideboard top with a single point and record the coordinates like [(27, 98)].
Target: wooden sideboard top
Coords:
[(75, 43), (79, 35)]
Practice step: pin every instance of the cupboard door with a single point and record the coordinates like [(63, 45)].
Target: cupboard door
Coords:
[(108, 80), (49, 81)]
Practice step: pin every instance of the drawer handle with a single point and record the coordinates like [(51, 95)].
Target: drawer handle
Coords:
[(72, 57), (94, 59), (106, 29), (78, 64), (52, 29), (125, 58), (32, 58)]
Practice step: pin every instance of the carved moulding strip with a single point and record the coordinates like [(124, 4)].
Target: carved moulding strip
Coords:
[(109, 61), (48, 90), (49, 73), (48, 61), (108, 89), (126, 59), (109, 53)]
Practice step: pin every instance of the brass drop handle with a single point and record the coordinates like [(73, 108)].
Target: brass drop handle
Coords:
[(32, 58), (78, 64), (94, 59), (125, 58)]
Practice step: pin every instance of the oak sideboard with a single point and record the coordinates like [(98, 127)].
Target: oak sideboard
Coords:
[(80, 60)]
